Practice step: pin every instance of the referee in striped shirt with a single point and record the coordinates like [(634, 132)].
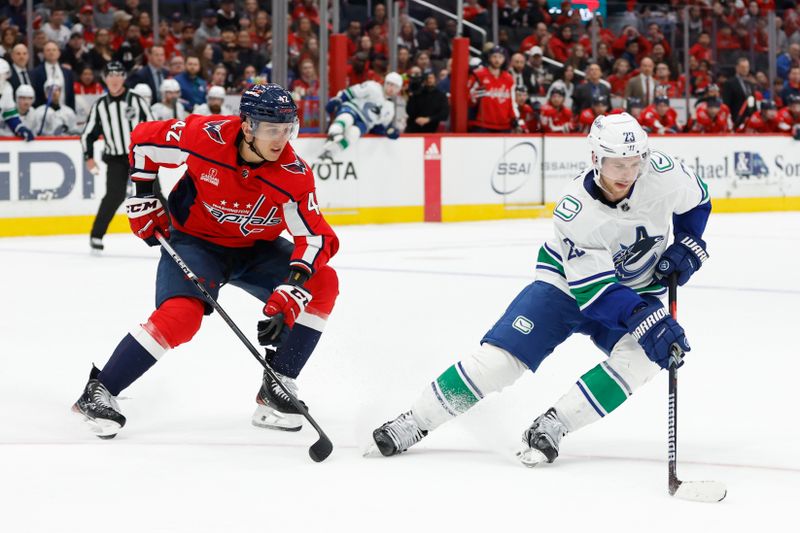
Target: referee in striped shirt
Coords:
[(114, 115)]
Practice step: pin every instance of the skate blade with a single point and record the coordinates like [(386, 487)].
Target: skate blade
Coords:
[(701, 491), (268, 418), (371, 451), (104, 429), (531, 457)]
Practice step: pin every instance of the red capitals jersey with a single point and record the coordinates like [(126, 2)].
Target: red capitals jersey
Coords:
[(585, 120), (530, 118), (757, 123), (705, 124), (226, 201), (654, 122), (496, 107), (556, 120), (787, 121)]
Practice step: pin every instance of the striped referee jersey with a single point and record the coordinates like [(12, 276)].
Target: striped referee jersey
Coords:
[(114, 117)]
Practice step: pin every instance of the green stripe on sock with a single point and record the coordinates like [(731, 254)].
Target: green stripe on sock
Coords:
[(603, 387), (455, 391)]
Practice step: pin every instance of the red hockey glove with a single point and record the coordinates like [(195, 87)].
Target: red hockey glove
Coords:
[(283, 307), (146, 215)]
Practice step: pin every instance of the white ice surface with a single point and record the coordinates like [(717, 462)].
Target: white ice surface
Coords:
[(414, 299)]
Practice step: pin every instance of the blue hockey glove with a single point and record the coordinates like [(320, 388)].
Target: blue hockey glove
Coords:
[(685, 256), (23, 132), (392, 132), (333, 105), (660, 335)]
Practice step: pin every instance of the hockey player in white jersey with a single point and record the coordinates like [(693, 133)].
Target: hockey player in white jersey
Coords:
[(8, 109), (215, 103), (144, 90), (24, 100), (601, 275), (170, 105), (52, 118), (361, 109)]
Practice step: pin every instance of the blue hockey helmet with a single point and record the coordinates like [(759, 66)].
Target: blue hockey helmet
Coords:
[(270, 110)]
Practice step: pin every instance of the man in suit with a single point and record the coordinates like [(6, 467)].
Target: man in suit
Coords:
[(19, 67), (593, 87), (51, 69), (153, 73), (643, 86), (737, 90)]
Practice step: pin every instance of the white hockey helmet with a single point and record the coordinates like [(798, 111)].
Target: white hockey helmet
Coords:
[(143, 90), (170, 85), (617, 135), (215, 91), (393, 78), (25, 91), (53, 82)]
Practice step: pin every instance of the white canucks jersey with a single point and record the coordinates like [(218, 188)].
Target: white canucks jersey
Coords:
[(597, 244), (164, 112), (49, 121), (367, 102), (8, 107)]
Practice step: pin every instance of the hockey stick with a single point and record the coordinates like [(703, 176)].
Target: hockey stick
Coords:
[(321, 449), (697, 491), (46, 107)]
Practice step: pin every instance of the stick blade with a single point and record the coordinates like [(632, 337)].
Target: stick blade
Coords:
[(320, 450), (701, 491)]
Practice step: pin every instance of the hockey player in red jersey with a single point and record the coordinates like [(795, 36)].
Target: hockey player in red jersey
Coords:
[(712, 117), (599, 107), (528, 113), (659, 117), (243, 186), (765, 120), (556, 117), (492, 93), (789, 116)]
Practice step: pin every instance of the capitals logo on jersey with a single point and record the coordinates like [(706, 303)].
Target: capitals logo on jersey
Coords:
[(214, 130), (632, 261), (247, 220), (298, 167)]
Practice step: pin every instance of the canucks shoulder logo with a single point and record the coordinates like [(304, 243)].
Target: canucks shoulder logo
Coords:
[(632, 261)]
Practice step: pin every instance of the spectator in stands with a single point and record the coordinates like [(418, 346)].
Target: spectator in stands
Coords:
[(15, 11), (358, 71), (193, 86), (262, 31), (634, 107), (619, 79), (712, 117), (560, 43), (700, 76), (227, 17), (185, 44), (540, 37), (101, 53), (492, 94), (19, 66), (577, 58), (39, 40), (476, 13), (566, 83), (153, 73), (537, 75), (517, 69), (631, 52), (353, 36), (55, 29), (427, 106), (219, 77), (737, 90), (208, 32), (119, 29), (52, 118), (664, 84), (408, 36), (428, 39), (51, 69), (130, 51), (556, 116), (643, 85), (379, 43), (792, 85), (604, 59), (512, 15), (230, 60), (529, 112), (85, 24), (251, 11), (403, 59), (623, 45), (763, 121), (701, 50), (9, 37), (656, 37), (247, 54), (659, 117), (600, 106), (75, 52), (585, 92), (176, 66), (145, 24), (423, 61), (87, 83)]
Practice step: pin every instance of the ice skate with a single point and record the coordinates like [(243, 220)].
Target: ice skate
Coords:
[(275, 410), (540, 441), (99, 409), (96, 245), (396, 436)]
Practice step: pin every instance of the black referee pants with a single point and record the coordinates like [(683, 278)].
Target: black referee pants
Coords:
[(117, 174)]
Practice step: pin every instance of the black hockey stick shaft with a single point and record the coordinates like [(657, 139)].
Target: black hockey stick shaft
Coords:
[(672, 423), (321, 449)]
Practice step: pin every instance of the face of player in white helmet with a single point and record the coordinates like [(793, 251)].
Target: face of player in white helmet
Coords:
[(618, 174), (391, 90)]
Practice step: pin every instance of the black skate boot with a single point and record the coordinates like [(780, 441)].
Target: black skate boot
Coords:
[(396, 436), (275, 410), (540, 441), (99, 408)]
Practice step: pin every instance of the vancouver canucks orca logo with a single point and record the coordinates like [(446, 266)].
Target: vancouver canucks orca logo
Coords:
[(632, 261), (298, 167), (214, 130)]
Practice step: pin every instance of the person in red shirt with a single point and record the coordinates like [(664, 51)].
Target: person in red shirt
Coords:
[(765, 120), (664, 84), (619, 79), (789, 116), (86, 84), (659, 117), (600, 106), (243, 186), (712, 117), (560, 44), (701, 50), (528, 113), (492, 93), (556, 117)]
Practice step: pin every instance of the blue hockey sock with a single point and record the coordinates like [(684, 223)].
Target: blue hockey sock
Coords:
[(134, 355), (295, 351)]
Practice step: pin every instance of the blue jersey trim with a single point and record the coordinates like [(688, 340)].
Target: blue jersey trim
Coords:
[(593, 276), (551, 269), (553, 252), (471, 383)]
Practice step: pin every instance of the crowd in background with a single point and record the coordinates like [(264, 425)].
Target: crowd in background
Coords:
[(540, 76)]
